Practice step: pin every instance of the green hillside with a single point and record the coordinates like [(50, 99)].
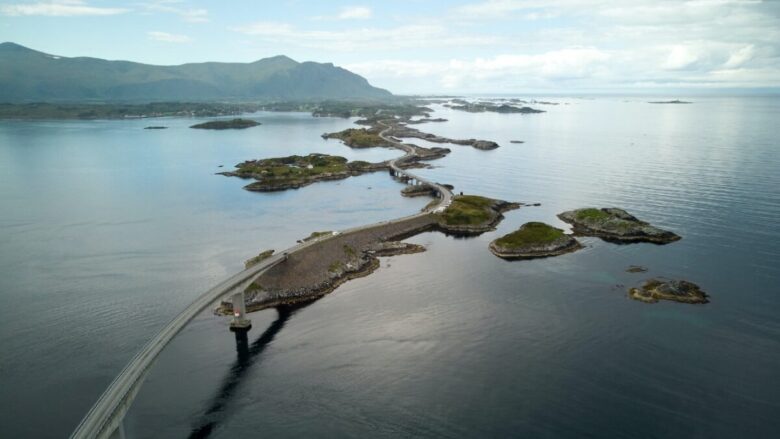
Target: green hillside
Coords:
[(27, 75)]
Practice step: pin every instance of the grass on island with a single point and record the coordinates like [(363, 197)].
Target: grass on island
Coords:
[(259, 258), (533, 233), (592, 214), (359, 138), (468, 210), (236, 124), (315, 235), (294, 167)]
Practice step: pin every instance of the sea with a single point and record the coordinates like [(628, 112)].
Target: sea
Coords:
[(108, 230)]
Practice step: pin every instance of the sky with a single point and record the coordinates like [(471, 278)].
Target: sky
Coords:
[(432, 46)]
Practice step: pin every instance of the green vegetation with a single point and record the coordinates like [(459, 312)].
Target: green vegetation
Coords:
[(682, 291), (468, 210), (233, 124), (297, 171), (292, 167), (259, 258), (349, 251), (358, 137), (27, 75), (315, 235), (615, 224), (121, 111), (335, 266), (592, 214), (530, 234)]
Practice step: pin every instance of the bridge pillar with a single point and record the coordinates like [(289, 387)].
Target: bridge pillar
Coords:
[(240, 322)]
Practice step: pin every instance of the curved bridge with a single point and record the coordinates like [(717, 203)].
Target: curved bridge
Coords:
[(104, 420)]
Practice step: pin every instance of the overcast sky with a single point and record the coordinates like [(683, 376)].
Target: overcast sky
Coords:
[(429, 46)]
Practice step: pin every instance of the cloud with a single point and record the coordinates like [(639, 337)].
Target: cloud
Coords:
[(62, 8), (191, 15), (410, 36), (168, 38), (355, 13), (511, 69)]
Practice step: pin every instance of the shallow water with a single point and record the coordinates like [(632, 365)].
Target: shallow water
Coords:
[(108, 230)]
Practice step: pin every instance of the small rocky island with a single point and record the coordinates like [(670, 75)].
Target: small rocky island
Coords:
[(293, 172), (233, 124), (473, 215), (156, 127), (654, 290), (615, 225), (482, 107), (676, 101), (534, 240), (359, 137)]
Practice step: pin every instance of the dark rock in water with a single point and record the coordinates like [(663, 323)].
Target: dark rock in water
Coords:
[(516, 141), (654, 290), (156, 127), (534, 240), (616, 225), (484, 144), (670, 102), (221, 166), (636, 269)]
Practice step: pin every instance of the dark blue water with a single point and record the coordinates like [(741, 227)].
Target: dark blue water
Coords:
[(108, 230)]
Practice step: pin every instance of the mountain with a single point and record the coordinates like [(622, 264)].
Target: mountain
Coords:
[(27, 75)]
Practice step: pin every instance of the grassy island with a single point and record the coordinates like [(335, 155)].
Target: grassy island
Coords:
[(295, 171), (358, 137), (472, 214), (233, 124), (534, 240), (682, 291), (617, 225)]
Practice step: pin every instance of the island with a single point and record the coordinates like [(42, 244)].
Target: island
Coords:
[(670, 102), (516, 141), (615, 225), (295, 171), (232, 124), (400, 130), (481, 107), (682, 291), (359, 137), (473, 215), (156, 127), (534, 240)]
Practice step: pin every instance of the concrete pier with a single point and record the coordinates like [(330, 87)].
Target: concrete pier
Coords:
[(240, 322)]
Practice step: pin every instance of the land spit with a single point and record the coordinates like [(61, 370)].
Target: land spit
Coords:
[(317, 270)]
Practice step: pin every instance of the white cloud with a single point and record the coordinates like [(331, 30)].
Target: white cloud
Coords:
[(62, 8), (168, 38), (355, 13), (411, 36), (544, 68), (191, 15)]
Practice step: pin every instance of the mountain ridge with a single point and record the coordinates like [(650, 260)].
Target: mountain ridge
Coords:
[(28, 75)]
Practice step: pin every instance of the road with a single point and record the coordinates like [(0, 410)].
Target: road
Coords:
[(105, 417)]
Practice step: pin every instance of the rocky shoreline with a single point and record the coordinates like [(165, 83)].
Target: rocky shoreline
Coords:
[(654, 290), (319, 269), (615, 225)]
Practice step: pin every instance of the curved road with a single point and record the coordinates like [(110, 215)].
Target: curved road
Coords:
[(105, 417)]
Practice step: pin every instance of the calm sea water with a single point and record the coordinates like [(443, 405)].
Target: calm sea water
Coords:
[(107, 230)]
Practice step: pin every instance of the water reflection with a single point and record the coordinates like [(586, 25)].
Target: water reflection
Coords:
[(246, 357)]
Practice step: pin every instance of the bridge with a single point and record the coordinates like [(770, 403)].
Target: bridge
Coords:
[(105, 418)]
